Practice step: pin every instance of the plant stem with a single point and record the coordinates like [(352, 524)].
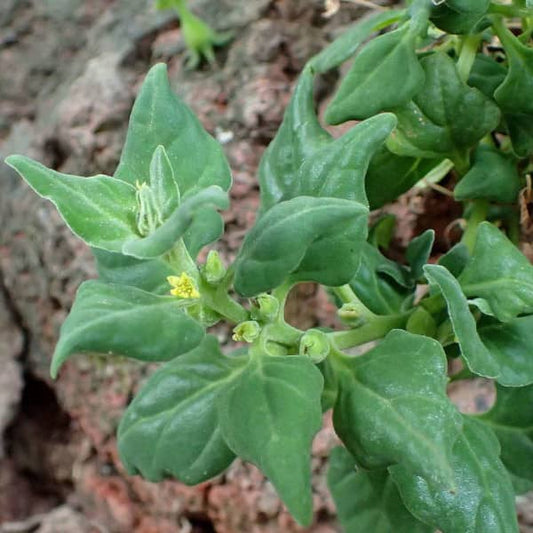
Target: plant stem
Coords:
[(470, 46), (348, 296), (371, 331), (478, 215)]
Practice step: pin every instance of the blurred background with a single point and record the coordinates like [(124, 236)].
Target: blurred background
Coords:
[(69, 72)]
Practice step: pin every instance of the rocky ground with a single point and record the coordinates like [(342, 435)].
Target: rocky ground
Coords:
[(69, 71)]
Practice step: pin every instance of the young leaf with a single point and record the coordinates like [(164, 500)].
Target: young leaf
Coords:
[(483, 499), (171, 428), (314, 239), (368, 500), (386, 74), (304, 160), (121, 320), (100, 210), (418, 252), (148, 275), (459, 16), (392, 408), (514, 94), (455, 259), (511, 419), (269, 416), (163, 183), (164, 238), (378, 292), (160, 118), (493, 176), (345, 46), (445, 117), (500, 274)]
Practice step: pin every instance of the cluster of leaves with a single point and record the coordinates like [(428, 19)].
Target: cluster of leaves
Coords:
[(434, 93)]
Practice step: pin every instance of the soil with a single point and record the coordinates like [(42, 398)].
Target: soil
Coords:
[(69, 72)]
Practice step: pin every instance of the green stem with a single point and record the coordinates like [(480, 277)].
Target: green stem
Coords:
[(469, 49), (478, 215), (508, 10), (348, 296), (370, 331)]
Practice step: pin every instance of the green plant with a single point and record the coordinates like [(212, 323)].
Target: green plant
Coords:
[(199, 38), (431, 95)]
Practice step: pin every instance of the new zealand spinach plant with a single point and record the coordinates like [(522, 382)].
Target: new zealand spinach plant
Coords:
[(440, 88)]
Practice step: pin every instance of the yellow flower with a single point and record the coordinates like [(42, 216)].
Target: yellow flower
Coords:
[(183, 286)]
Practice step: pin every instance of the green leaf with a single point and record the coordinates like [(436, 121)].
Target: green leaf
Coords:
[(520, 128), (392, 407), (418, 253), (313, 239), (385, 74), (160, 118), (269, 416), (381, 294), (148, 275), (514, 94), (476, 354), (162, 182), (483, 500), (511, 419), (486, 74), (445, 117), (305, 160), (121, 320), (390, 175), (345, 46), (498, 351), (100, 210), (455, 259), (493, 176), (500, 274), (368, 501), (172, 428), (165, 236), (459, 16)]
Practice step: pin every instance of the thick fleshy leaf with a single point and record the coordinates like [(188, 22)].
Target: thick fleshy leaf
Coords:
[(392, 408), (386, 74), (100, 210), (381, 294), (304, 160), (500, 274), (171, 428), (390, 175), (122, 320), (493, 176), (160, 118), (514, 94), (445, 117), (479, 359), (148, 275), (164, 238), (483, 499), (418, 252), (345, 46), (368, 500), (459, 16), (511, 419), (486, 74), (313, 239), (269, 416)]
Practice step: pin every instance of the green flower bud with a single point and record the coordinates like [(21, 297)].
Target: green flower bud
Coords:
[(351, 313), (315, 344), (246, 331), (214, 270), (266, 308)]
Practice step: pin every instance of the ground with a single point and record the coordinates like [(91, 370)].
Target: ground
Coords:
[(69, 72)]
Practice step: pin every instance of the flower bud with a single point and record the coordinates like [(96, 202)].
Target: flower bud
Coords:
[(214, 270), (315, 344), (246, 331), (266, 308)]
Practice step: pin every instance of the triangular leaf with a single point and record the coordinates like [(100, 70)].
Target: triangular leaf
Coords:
[(269, 416), (121, 320), (171, 428), (392, 407)]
